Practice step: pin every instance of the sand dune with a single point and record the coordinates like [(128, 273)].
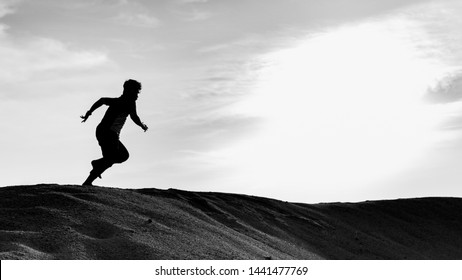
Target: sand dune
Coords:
[(75, 222)]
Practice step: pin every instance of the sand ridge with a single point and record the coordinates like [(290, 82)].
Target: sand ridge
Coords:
[(50, 221)]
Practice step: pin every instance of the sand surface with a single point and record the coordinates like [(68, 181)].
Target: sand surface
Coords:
[(74, 222)]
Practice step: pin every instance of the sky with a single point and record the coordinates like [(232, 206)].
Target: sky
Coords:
[(298, 100)]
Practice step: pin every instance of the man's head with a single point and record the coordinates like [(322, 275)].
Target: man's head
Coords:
[(131, 89)]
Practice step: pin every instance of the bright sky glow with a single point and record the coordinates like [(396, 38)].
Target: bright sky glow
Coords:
[(342, 108)]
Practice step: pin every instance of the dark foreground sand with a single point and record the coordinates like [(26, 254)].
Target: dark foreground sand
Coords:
[(75, 222)]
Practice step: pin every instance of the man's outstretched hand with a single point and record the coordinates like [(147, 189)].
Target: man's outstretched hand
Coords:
[(84, 118), (144, 127)]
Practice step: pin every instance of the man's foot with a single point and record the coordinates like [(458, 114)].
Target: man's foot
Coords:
[(90, 179)]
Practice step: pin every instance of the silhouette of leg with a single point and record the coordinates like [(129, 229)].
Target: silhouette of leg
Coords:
[(96, 166), (121, 154), (113, 152), (100, 165), (90, 179)]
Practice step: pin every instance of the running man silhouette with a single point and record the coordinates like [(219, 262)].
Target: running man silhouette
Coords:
[(108, 131)]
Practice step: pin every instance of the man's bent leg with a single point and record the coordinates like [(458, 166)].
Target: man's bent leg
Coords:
[(113, 152), (122, 153), (100, 165)]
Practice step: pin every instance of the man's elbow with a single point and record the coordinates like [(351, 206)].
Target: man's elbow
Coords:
[(103, 101)]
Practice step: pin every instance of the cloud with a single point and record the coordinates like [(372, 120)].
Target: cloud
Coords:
[(223, 83), (447, 90), (6, 7), (121, 12), (188, 11), (138, 20), (196, 15), (249, 42), (20, 61), (3, 29)]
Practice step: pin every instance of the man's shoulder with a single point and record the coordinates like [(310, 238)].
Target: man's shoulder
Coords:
[(108, 100), (122, 104)]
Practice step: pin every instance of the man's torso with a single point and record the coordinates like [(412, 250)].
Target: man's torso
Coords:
[(116, 115)]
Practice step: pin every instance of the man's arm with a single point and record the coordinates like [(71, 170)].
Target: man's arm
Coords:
[(99, 103), (137, 121)]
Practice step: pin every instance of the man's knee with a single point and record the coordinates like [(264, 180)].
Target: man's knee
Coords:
[(125, 157), (122, 157)]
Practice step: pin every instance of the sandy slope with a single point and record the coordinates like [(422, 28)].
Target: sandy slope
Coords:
[(74, 222)]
